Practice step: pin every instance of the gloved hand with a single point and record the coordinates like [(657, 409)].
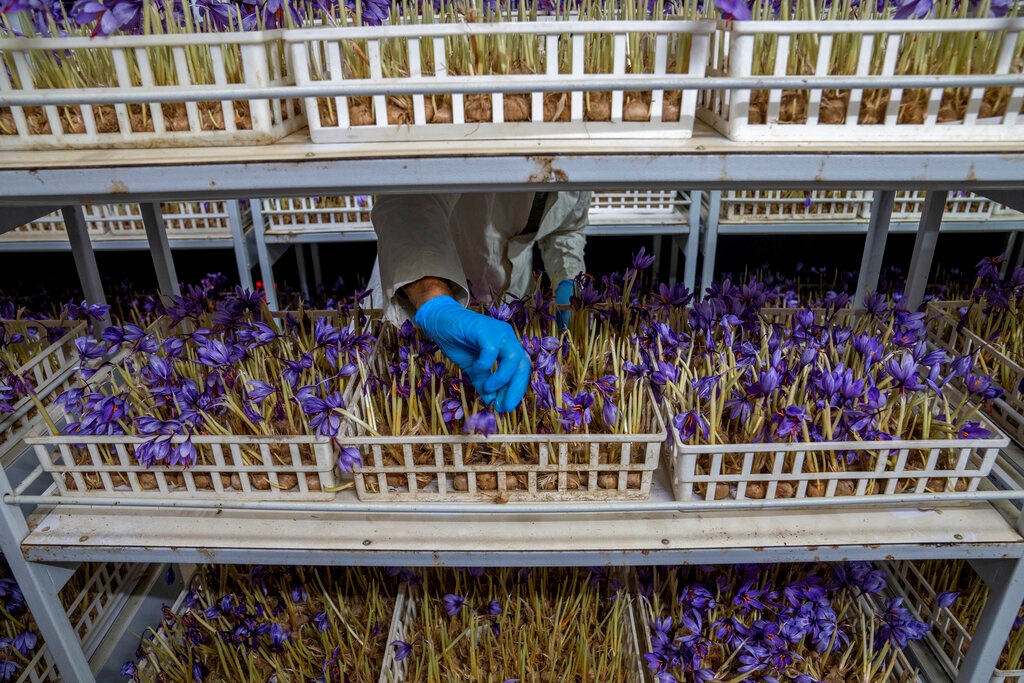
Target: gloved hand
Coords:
[(562, 295), (475, 342)]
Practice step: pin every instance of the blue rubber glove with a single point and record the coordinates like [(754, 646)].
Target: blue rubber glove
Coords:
[(562, 295), (475, 342)]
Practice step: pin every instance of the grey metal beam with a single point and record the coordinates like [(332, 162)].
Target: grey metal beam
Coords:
[(266, 265), (692, 242), (1005, 579), (160, 249), (314, 253), (924, 248), (40, 584), (85, 259), (239, 244), (710, 239), (300, 264), (684, 168), (16, 216), (874, 244)]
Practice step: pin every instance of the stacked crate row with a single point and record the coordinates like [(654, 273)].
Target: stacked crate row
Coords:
[(361, 68)]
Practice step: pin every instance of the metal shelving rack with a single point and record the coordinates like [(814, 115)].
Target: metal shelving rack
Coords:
[(240, 240), (984, 528)]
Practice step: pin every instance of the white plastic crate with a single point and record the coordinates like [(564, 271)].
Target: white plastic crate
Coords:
[(1007, 411), (91, 612), (299, 468), (568, 466), (768, 471), (742, 206), (951, 637), (215, 62), (636, 206), (124, 221), (407, 610), (343, 213), (612, 467), (802, 114), (966, 207), (51, 371), (503, 104)]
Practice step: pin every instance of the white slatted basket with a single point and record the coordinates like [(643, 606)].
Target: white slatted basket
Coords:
[(743, 206), (214, 62), (299, 468), (91, 611), (860, 114), (769, 471), (437, 105), (124, 221), (1007, 411), (51, 371), (343, 213), (951, 638), (644, 207)]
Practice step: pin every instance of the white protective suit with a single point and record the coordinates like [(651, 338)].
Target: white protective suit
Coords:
[(474, 240)]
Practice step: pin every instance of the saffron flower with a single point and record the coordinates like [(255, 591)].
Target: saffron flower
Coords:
[(736, 10), (453, 604), (402, 649), (576, 411), (484, 422), (349, 458)]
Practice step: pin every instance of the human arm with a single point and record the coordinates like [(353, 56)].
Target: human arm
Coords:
[(562, 246), (423, 279), (414, 242)]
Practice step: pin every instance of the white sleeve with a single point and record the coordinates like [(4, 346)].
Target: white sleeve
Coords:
[(562, 247), (414, 241)]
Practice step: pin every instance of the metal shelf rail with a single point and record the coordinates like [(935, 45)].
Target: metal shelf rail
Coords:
[(875, 228), (658, 531), (58, 239)]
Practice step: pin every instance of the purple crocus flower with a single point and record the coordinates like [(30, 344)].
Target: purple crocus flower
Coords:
[(946, 599), (642, 261), (325, 413), (748, 598), (689, 423), (216, 353), (904, 373), (973, 430), (402, 649), (89, 349), (279, 635), (576, 411), (24, 643), (545, 395), (128, 670), (918, 9), (321, 622), (222, 15), (259, 391), (349, 458), (451, 409), (606, 385), (736, 10), (453, 604), (988, 267), (8, 669), (484, 422)]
